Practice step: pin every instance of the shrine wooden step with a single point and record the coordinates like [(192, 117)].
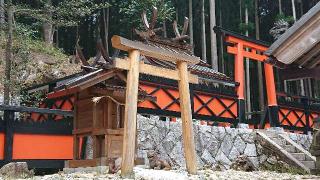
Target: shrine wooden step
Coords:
[(84, 163)]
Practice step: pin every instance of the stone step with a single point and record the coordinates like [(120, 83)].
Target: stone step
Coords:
[(309, 164), (270, 134), (290, 148), (308, 158), (280, 142), (299, 156)]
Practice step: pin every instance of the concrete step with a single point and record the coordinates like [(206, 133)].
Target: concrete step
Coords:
[(309, 164), (299, 156), (290, 148)]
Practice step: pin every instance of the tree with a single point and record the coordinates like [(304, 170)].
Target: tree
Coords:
[(203, 33), (248, 88), (47, 24), (8, 58), (260, 76), (280, 6), (213, 37), (2, 12), (191, 23), (106, 27), (294, 11), (133, 9), (65, 14)]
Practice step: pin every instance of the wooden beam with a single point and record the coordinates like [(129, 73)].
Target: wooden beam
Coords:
[(84, 163), (130, 116), (186, 116), (314, 62), (152, 51), (36, 110), (155, 71), (298, 73), (110, 110), (309, 55)]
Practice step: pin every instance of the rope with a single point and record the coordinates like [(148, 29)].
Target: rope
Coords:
[(97, 99)]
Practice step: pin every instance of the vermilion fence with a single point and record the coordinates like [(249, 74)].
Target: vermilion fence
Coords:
[(42, 144), (217, 105), (298, 113)]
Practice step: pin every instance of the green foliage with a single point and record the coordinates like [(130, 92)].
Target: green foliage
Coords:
[(243, 27), (249, 4), (288, 19), (26, 41), (70, 12), (282, 168), (66, 13), (133, 9), (27, 52)]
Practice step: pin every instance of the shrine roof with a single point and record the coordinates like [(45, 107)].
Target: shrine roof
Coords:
[(300, 45)]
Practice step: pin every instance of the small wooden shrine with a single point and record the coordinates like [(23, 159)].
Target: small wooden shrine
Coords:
[(107, 97)]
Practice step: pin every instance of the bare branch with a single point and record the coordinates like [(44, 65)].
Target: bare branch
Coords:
[(145, 20), (185, 26), (175, 29)]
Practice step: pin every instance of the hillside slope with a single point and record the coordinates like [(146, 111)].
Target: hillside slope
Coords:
[(34, 62)]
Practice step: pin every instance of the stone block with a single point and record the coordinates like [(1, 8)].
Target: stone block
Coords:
[(250, 150), (68, 170)]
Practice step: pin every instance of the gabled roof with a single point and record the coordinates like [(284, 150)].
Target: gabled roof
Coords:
[(300, 44)]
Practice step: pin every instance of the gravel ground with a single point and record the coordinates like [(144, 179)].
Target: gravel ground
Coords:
[(147, 174)]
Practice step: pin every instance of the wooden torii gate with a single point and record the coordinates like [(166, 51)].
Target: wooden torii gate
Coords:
[(134, 67)]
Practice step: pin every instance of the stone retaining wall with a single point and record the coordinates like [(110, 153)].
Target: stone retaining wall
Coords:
[(214, 145), (302, 139)]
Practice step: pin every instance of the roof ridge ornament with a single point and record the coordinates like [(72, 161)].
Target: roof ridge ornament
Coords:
[(149, 35)]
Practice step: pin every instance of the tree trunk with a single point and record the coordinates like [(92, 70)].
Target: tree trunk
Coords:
[(1, 12), (294, 11), (221, 41), (248, 93), (177, 12), (47, 32), (280, 6), (106, 28), (203, 33), (214, 56), (191, 24), (57, 37), (240, 10), (8, 54), (47, 26), (164, 28), (260, 76)]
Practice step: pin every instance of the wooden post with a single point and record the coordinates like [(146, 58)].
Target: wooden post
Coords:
[(75, 127), (186, 116), (95, 124), (130, 119)]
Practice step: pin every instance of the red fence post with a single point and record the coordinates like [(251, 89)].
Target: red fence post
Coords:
[(239, 77), (8, 144), (272, 96)]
